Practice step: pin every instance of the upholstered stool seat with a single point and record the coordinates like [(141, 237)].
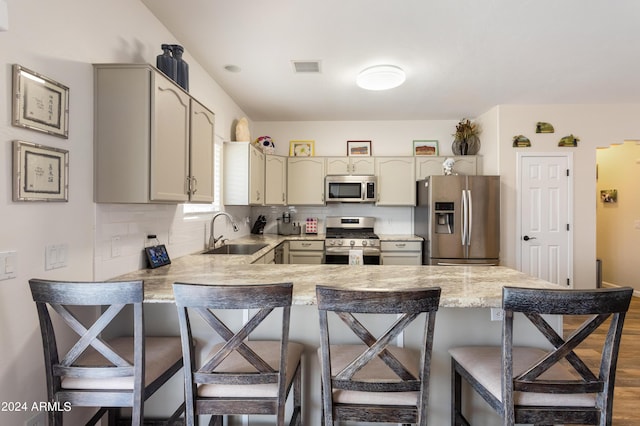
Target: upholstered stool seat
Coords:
[(553, 384), (241, 375), (376, 380), (109, 373), (268, 351), (374, 371), (484, 363), (161, 354)]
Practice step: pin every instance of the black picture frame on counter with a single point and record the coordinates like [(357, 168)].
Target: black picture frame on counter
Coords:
[(157, 256)]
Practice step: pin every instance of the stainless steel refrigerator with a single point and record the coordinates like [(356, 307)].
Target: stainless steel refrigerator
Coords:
[(459, 219)]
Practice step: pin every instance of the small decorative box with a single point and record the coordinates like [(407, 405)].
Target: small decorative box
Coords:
[(311, 225)]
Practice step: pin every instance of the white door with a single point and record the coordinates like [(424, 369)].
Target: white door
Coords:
[(545, 216)]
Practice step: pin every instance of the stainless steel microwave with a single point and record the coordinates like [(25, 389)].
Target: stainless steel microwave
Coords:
[(350, 189)]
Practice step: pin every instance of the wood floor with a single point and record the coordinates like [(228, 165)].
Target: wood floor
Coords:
[(626, 402)]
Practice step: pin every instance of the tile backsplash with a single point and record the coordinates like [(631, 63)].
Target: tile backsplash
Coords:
[(389, 220), (122, 229)]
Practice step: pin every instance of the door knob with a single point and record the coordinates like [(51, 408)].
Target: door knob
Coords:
[(527, 238)]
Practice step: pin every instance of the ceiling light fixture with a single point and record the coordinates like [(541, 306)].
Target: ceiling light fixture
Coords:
[(380, 77)]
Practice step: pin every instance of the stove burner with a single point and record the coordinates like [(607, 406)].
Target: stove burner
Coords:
[(369, 235)]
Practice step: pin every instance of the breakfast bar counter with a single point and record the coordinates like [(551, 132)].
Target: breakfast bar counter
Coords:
[(462, 286), (464, 317)]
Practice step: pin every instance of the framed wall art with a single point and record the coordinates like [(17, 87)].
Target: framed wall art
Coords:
[(301, 148), (359, 148), (40, 173), (425, 147), (40, 103), (609, 195)]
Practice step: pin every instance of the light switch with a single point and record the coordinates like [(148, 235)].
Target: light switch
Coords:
[(116, 246), (7, 265)]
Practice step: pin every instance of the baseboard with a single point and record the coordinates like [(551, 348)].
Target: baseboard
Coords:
[(636, 293)]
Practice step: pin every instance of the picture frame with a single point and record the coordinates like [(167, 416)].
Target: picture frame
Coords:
[(157, 256), (40, 173), (425, 147), (301, 148), (359, 148), (40, 103), (609, 195)]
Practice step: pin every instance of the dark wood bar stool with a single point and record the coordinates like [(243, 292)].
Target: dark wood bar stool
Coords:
[(96, 372), (375, 381), (239, 376), (546, 386)]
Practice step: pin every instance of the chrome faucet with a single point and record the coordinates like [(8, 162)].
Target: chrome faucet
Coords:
[(212, 239)]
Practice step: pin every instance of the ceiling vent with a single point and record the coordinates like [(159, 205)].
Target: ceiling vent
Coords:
[(306, 67)]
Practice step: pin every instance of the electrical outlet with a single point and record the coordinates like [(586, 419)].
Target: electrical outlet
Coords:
[(497, 314), (38, 420), (55, 256)]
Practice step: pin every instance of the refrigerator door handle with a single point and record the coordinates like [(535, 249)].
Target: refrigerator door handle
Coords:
[(469, 216), (464, 218)]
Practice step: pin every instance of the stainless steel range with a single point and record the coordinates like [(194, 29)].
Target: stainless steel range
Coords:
[(344, 234)]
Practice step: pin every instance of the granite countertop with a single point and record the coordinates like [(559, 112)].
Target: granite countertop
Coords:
[(462, 286)]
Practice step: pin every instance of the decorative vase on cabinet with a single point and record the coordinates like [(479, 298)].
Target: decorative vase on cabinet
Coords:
[(466, 140)]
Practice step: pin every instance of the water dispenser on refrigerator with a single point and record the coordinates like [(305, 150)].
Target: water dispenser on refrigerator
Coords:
[(443, 216)]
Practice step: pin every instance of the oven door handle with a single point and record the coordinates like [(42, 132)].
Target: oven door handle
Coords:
[(366, 251)]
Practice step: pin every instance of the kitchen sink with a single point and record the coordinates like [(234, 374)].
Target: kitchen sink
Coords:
[(236, 249)]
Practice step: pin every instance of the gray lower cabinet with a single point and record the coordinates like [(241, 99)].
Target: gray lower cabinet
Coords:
[(306, 252), (401, 253), (267, 259)]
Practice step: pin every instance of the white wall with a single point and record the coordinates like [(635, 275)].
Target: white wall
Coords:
[(61, 40), (387, 137), (618, 236), (596, 126)]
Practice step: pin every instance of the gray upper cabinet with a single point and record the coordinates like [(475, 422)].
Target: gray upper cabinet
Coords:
[(432, 166), (350, 166), (202, 141), (275, 180), (243, 174), (153, 142)]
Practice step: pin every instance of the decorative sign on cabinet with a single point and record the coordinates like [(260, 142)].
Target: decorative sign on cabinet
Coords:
[(153, 141)]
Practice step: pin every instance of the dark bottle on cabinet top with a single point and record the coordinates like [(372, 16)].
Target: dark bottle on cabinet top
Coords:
[(183, 67), (167, 63)]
